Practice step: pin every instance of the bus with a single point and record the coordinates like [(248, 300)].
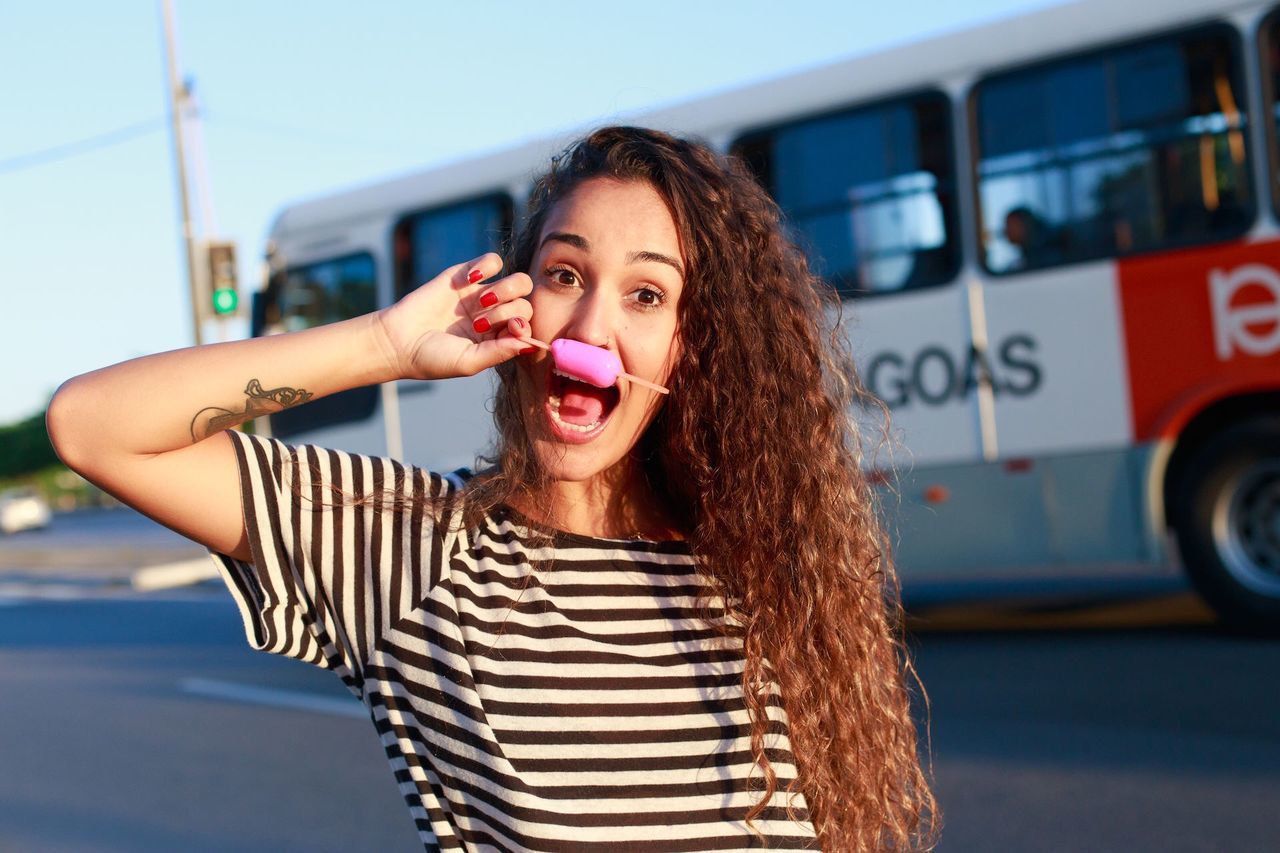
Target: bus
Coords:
[(1056, 239)]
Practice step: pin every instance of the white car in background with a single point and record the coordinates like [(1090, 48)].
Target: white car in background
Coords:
[(22, 509)]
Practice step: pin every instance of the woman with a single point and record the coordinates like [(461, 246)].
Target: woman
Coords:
[(661, 623)]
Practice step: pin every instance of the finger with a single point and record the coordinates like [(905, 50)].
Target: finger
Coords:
[(491, 352), (520, 329), (516, 327), (494, 319), (458, 272), (503, 290), (477, 270)]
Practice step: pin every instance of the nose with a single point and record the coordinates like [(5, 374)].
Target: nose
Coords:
[(593, 319)]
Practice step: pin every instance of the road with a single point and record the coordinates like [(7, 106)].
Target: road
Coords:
[(1081, 722), (106, 747), (96, 528)]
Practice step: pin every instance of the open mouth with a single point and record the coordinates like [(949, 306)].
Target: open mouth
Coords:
[(578, 410)]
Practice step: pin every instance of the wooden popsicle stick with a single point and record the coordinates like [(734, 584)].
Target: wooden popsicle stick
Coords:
[(536, 343), (645, 382)]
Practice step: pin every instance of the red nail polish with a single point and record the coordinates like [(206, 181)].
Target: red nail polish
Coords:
[(474, 276), (519, 323), (489, 299), (481, 325), (528, 350)]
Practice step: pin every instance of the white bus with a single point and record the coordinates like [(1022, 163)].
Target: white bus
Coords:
[(1057, 235)]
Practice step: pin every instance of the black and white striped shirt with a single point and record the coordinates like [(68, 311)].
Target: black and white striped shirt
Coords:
[(528, 697)]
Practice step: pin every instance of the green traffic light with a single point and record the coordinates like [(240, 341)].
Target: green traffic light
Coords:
[(225, 300)]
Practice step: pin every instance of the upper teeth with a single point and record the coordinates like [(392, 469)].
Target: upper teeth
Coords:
[(559, 372)]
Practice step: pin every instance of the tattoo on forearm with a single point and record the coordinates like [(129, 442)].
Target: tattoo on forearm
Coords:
[(213, 419)]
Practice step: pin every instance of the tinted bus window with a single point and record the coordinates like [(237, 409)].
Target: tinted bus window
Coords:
[(322, 293), (868, 192), (1138, 148), (430, 241), (313, 295), (1270, 38)]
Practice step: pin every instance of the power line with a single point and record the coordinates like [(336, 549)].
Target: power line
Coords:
[(81, 146), (270, 128), (120, 135)]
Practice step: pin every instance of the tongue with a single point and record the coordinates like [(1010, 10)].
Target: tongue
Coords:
[(581, 404)]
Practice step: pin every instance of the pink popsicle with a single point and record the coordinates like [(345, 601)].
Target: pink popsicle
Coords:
[(594, 365), (591, 364)]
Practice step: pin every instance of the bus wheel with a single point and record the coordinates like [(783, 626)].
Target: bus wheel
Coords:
[(1226, 515)]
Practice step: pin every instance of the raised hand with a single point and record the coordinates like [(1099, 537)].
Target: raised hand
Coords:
[(456, 324)]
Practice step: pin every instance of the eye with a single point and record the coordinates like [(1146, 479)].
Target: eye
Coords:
[(557, 274), (648, 297)]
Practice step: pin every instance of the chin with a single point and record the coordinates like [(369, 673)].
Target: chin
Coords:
[(569, 463)]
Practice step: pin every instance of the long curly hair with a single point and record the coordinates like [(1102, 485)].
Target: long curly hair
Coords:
[(758, 456)]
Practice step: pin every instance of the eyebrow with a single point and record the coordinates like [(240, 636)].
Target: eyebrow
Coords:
[(579, 242)]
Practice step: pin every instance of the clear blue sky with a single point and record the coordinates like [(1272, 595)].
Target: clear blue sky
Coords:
[(302, 97)]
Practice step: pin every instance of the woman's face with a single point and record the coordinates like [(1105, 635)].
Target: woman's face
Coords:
[(608, 271)]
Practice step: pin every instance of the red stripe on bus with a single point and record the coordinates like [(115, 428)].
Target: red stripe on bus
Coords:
[(1199, 325)]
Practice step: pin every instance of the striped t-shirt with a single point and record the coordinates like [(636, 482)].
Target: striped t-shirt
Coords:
[(528, 696)]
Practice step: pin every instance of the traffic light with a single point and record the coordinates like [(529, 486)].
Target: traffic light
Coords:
[(222, 277)]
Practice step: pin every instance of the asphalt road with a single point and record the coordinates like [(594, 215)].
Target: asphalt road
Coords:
[(1075, 721), (96, 528), (107, 746)]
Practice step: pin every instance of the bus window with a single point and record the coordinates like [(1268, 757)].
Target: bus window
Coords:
[(1138, 148), (325, 292), (1269, 35), (314, 295), (429, 241), (869, 192)]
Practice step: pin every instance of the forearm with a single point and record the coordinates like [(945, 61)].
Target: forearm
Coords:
[(170, 400)]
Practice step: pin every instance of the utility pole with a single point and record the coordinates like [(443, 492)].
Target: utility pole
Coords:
[(177, 98)]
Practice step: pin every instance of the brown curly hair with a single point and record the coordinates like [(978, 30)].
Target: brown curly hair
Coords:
[(757, 454)]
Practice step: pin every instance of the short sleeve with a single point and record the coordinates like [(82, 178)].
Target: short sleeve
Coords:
[(342, 545)]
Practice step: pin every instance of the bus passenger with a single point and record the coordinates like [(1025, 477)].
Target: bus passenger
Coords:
[(1039, 243), (667, 622)]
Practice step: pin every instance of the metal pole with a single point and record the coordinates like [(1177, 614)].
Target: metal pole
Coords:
[(177, 94)]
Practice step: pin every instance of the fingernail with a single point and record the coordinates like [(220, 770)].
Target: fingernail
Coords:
[(481, 325), (528, 350), (489, 299), (519, 323), (474, 276)]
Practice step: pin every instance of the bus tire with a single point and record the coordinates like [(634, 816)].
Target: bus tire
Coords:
[(1225, 511)]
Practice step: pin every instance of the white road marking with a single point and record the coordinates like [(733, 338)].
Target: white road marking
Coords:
[(276, 698), (17, 593), (19, 590), (169, 575)]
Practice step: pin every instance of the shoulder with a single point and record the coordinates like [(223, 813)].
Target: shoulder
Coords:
[(457, 478), (355, 474)]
